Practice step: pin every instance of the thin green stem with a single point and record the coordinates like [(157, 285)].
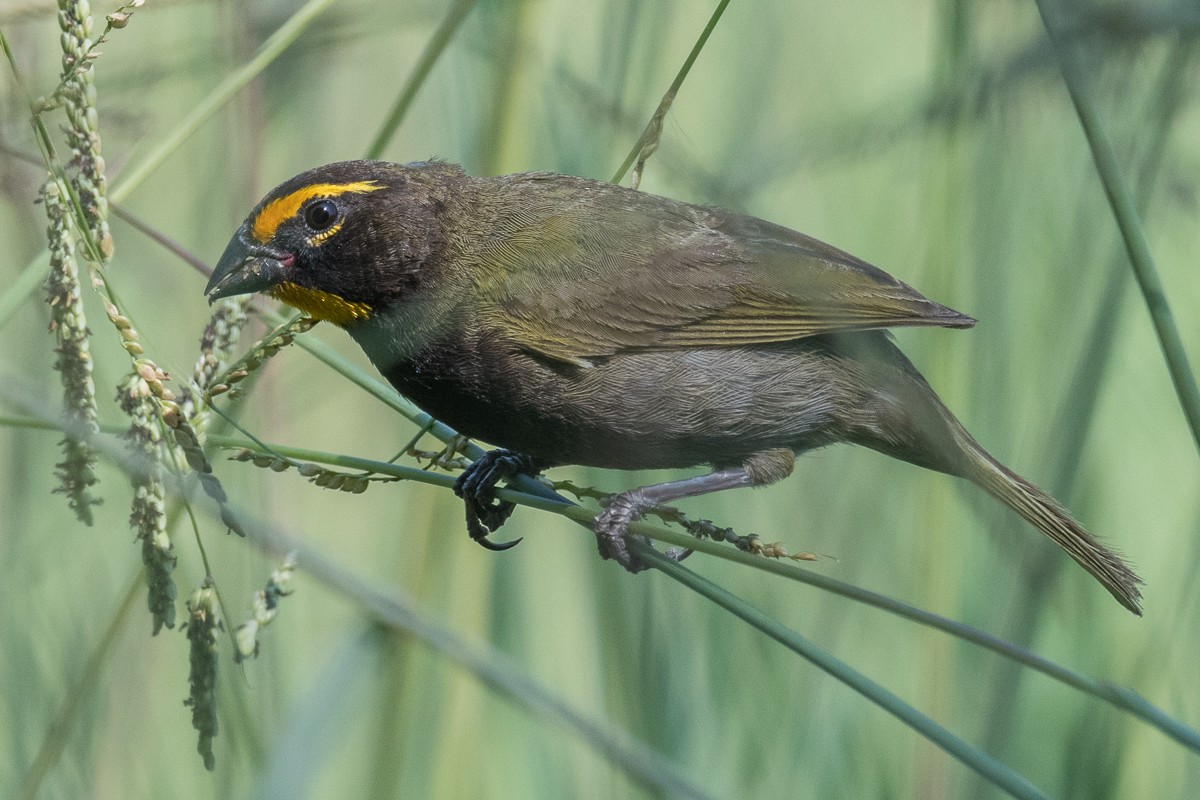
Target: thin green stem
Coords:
[(56, 738), (995, 771), (1102, 690), (429, 56), (653, 129), (394, 610), (285, 35), (491, 667), (24, 285), (1078, 408), (1118, 696), (1124, 208)]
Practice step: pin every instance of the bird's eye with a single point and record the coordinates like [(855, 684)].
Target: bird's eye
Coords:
[(321, 215)]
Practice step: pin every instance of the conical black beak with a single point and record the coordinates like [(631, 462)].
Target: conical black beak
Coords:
[(246, 266)]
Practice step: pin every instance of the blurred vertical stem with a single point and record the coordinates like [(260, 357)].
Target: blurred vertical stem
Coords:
[(948, 178), (1079, 406), (1125, 210), (429, 56), (385, 782), (280, 40), (493, 668), (506, 24), (56, 738), (22, 286)]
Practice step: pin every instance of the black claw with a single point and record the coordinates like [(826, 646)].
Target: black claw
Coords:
[(476, 486), (499, 547), (478, 530)]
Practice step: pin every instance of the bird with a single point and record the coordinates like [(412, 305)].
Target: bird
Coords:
[(565, 320)]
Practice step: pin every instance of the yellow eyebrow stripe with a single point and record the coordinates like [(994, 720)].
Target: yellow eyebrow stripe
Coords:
[(281, 209)]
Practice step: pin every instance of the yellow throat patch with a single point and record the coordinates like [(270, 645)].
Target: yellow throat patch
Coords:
[(321, 305)]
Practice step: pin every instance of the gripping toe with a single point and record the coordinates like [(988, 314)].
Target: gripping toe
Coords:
[(476, 486), (612, 526)]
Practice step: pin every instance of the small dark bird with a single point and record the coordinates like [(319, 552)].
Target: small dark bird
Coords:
[(570, 321)]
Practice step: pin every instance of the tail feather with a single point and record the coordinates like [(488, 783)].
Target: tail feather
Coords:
[(909, 422), (1046, 514)]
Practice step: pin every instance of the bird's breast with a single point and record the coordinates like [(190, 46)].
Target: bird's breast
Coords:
[(636, 410)]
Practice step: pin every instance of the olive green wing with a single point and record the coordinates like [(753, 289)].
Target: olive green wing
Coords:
[(792, 286), (657, 274)]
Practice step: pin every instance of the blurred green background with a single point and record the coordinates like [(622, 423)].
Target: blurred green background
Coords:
[(934, 139)]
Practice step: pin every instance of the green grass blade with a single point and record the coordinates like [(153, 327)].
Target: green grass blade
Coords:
[(429, 56), (317, 724), (1101, 690), (395, 610), (23, 285), (280, 40), (654, 126), (1000, 774), (56, 738), (1124, 208), (491, 667)]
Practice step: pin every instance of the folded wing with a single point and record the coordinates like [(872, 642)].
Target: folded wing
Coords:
[(662, 275)]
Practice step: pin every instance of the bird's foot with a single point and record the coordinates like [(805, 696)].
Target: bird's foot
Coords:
[(612, 528), (476, 486)]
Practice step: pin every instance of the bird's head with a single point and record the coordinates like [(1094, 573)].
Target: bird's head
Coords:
[(343, 241)]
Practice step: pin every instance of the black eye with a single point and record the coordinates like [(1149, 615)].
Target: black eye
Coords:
[(321, 215)]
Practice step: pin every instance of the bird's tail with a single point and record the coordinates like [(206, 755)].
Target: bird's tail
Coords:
[(910, 422), (1048, 516)]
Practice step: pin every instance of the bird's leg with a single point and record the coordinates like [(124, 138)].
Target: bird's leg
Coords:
[(476, 486), (612, 524)]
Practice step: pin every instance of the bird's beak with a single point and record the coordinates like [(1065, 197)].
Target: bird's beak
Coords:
[(246, 266)]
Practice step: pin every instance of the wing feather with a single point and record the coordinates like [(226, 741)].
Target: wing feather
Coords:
[(658, 274)]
